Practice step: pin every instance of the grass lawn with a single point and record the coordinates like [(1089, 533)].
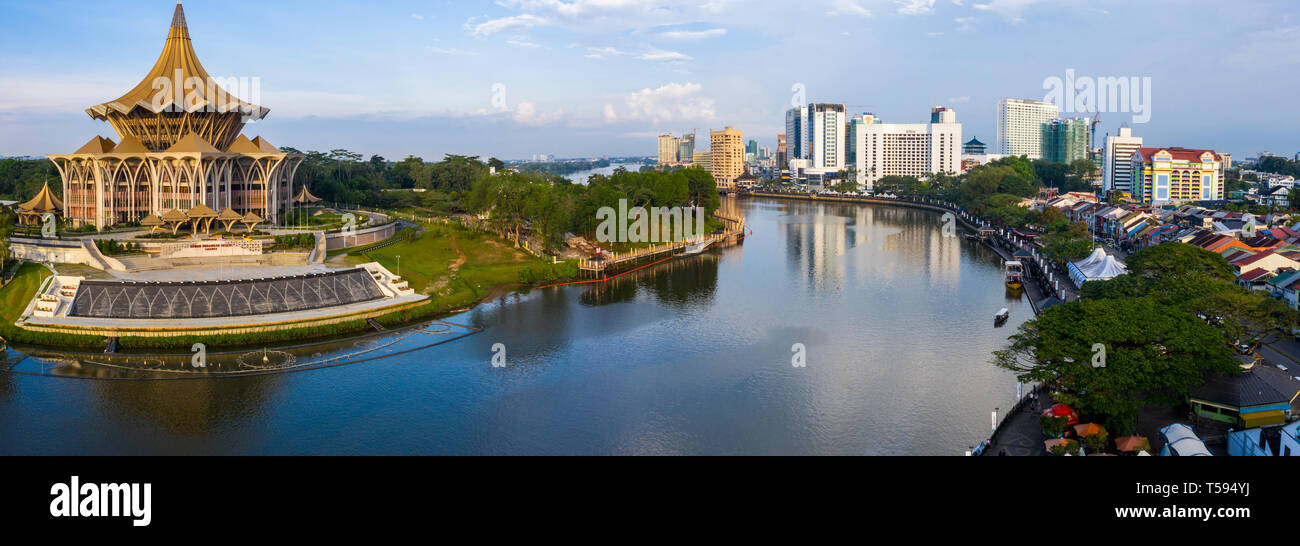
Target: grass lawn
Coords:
[(16, 295), (454, 265)]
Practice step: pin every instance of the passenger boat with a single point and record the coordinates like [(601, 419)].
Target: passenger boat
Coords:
[(697, 246), (1002, 317), (1015, 275)]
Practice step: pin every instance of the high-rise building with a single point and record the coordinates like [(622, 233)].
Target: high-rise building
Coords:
[(974, 147), (1066, 140), (703, 160), (1166, 176), (782, 153), (826, 128), (904, 149), (176, 154), (751, 148), (1117, 164), (940, 114), (796, 133), (1020, 126), (728, 156), (669, 147), (686, 149)]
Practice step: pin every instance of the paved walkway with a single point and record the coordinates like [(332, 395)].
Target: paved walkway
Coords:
[(1021, 434)]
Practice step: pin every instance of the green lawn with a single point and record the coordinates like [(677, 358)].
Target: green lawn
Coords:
[(453, 264), (16, 295)]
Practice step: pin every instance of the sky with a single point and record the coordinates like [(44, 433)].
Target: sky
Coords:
[(592, 78)]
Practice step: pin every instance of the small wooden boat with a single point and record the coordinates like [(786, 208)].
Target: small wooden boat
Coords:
[(1002, 317)]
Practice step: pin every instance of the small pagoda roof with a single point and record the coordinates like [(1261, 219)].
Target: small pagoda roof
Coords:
[(97, 145), (243, 145), (265, 146), (230, 214), (305, 196), (252, 218), (152, 220), (178, 62), (747, 176), (193, 144), (201, 211), (174, 216), (44, 202), (130, 145)]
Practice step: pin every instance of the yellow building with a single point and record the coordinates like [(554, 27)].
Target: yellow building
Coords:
[(703, 160), (180, 147), (728, 159), (669, 146), (1164, 176)]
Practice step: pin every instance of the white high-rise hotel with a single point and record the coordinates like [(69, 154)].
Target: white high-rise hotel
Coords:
[(1020, 126), (826, 123), (1117, 168), (905, 149)]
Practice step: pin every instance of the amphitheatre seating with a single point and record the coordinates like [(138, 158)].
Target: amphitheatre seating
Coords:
[(184, 300)]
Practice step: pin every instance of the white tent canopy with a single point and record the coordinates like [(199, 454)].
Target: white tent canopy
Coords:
[(1097, 267), (1181, 441)]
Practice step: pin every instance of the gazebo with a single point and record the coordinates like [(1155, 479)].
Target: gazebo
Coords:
[(175, 219), (305, 197), (31, 212), (204, 215), (153, 222), (251, 221), (229, 217)]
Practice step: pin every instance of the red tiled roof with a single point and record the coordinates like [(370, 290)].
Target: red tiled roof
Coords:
[(1184, 154)]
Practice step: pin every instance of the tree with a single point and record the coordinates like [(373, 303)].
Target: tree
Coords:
[(1154, 353), (1180, 260)]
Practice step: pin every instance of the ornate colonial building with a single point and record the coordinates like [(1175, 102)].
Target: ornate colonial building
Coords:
[(181, 146)]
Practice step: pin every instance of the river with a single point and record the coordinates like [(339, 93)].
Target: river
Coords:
[(690, 357)]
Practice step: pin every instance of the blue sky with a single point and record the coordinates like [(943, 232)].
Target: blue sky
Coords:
[(602, 77)]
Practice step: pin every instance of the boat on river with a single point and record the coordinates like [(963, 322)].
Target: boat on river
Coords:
[(1015, 273)]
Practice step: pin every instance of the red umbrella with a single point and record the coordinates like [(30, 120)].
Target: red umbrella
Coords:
[(1062, 410)]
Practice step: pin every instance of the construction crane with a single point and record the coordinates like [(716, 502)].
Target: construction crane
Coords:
[(1095, 122)]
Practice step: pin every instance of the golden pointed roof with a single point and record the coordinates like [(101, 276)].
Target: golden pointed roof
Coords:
[(305, 196), (130, 145), (151, 220), (243, 145), (178, 63), (192, 144), (45, 202), (230, 214), (265, 146), (174, 216), (201, 211), (97, 145), (251, 218)]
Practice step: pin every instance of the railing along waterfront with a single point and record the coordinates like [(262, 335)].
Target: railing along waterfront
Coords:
[(734, 228)]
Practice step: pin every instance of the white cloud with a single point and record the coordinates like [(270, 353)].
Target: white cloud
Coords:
[(522, 41), (915, 7), (848, 7), (692, 34), (663, 56), (449, 51), (493, 26), (958, 100), (528, 114), (668, 103), (417, 17)]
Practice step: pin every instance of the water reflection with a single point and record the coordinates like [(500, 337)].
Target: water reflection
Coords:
[(689, 357)]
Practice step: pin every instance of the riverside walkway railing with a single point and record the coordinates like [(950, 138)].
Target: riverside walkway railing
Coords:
[(734, 229)]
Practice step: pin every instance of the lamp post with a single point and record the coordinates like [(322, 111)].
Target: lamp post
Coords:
[(399, 265)]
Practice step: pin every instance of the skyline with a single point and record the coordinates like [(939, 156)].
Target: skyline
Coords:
[(593, 78)]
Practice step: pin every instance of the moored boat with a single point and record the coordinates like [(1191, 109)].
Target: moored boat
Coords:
[(1015, 272)]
